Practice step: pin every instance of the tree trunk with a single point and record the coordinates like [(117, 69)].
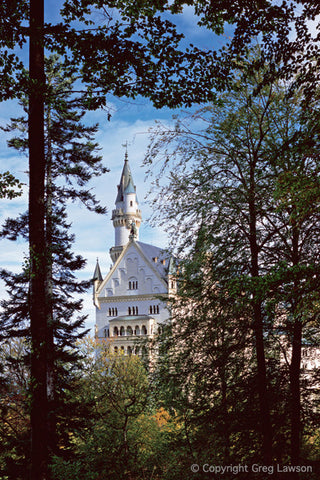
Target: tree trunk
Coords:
[(51, 375), (38, 310), (295, 393), (266, 428), (295, 401)]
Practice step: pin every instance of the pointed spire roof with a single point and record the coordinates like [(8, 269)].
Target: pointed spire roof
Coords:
[(126, 181), (97, 273)]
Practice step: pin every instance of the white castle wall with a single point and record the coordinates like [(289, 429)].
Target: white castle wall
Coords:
[(116, 292)]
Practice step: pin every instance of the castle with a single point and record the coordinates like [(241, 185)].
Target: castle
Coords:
[(131, 300)]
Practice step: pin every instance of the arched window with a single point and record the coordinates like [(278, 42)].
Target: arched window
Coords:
[(115, 331), (109, 312), (143, 330), (133, 284), (137, 330), (116, 311), (137, 350), (122, 331), (122, 349), (150, 309), (115, 349), (129, 310), (131, 203), (136, 310), (129, 331), (158, 310), (129, 350)]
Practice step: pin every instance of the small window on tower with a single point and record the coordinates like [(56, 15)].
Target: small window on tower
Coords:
[(131, 203)]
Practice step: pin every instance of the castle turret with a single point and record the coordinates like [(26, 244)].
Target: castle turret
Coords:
[(126, 212)]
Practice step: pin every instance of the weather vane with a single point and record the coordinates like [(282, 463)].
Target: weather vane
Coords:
[(125, 145)]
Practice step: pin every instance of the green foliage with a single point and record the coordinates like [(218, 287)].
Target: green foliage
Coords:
[(121, 436), (71, 157), (10, 187), (14, 410), (242, 204)]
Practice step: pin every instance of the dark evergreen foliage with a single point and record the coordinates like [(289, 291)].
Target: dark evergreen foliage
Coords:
[(71, 155)]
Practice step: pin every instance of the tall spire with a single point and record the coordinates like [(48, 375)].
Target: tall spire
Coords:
[(126, 212), (97, 273)]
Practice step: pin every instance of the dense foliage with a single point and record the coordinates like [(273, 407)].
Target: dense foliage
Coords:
[(71, 155), (241, 197)]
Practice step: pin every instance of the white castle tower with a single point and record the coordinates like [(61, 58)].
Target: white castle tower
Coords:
[(126, 213), (130, 301)]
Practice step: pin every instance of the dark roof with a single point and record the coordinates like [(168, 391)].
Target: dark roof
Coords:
[(126, 180), (97, 273), (157, 256)]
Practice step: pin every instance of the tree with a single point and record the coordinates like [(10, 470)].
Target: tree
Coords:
[(15, 419), (71, 154), (122, 433), (153, 67), (144, 66), (228, 179)]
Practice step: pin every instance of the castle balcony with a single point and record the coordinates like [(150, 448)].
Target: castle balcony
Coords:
[(130, 327), (126, 332)]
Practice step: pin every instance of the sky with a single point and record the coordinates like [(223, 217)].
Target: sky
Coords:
[(129, 124), (94, 233)]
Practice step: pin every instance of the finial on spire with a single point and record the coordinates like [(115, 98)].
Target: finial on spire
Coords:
[(97, 272), (125, 145)]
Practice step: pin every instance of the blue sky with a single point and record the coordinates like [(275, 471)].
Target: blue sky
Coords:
[(130, 123)]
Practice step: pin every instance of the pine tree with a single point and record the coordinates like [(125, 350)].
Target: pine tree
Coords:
[(71, 161)]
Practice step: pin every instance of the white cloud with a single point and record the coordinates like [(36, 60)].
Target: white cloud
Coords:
[(94, 233)]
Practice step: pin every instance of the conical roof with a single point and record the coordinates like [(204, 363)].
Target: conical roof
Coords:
[(97, 273), (126, 181)]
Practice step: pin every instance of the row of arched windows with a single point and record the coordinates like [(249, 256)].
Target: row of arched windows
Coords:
[(129, 331), (154, 309), (131, 350), (132, 310)]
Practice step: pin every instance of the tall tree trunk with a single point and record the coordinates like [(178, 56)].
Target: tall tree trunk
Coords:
[(295, 400), (295, 393), (266, 427), (51, 377), (38, 310), (264, 407)]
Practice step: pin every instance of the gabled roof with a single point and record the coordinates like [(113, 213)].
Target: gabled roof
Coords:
[(148, 253)]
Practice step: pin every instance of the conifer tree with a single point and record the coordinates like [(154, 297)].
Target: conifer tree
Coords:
[(71, 161)]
